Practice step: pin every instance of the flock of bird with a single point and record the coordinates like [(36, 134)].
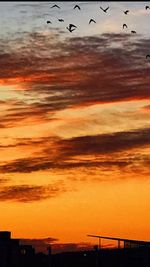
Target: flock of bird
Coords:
[(72, 27)]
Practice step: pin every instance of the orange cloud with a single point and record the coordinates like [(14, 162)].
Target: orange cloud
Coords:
[(71, 153), (29, 193)]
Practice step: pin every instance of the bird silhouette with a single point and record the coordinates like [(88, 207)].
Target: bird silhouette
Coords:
[(70, 30), (124, 25), (48, 21), (147, 56), (92, 20), (61, 20), (126, 12), (55, 6), (76, 6), (133, 31), (105, 10), (71, 27), (147, 7)]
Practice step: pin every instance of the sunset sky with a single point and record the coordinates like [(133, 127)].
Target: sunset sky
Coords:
[(74, 122)]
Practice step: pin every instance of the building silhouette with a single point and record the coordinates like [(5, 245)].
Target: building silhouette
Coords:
[(12, 254), (9, 250), (134, 253)]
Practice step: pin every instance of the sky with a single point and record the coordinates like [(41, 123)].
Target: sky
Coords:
[(74, 122)]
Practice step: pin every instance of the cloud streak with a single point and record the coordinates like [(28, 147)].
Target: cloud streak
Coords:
[(72, 153), (79, 71), (48, 74), (57, 74), (29, 193)]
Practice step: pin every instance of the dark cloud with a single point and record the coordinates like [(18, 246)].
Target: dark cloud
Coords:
[(28, 165), (61, 154), (22, 116), (56, 74), (19, 142), (30, 193), (106, 143), (66, 71), (28, 62)]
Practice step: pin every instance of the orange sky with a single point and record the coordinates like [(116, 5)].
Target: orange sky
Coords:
[(74, 130)]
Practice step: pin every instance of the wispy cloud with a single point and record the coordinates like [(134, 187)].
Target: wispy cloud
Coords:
[(49, 75), (54, 74), (29, 193), (69, 153)]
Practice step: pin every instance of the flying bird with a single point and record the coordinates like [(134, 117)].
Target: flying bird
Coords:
[(76, 6), (105, 10), (92, 20), (61, 20), (147, 7), (147, 56), (126, 12), (124, 25), (55, 6), (133, 31), (48, 21), (71, 27)]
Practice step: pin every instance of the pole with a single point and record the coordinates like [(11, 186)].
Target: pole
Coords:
[(99, 244)]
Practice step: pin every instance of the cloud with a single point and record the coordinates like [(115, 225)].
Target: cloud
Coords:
[(51, 73), (45, 63), (29, 193), (146, 108), (4, 180), (27, 165), (106, 143), (102, 150)]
